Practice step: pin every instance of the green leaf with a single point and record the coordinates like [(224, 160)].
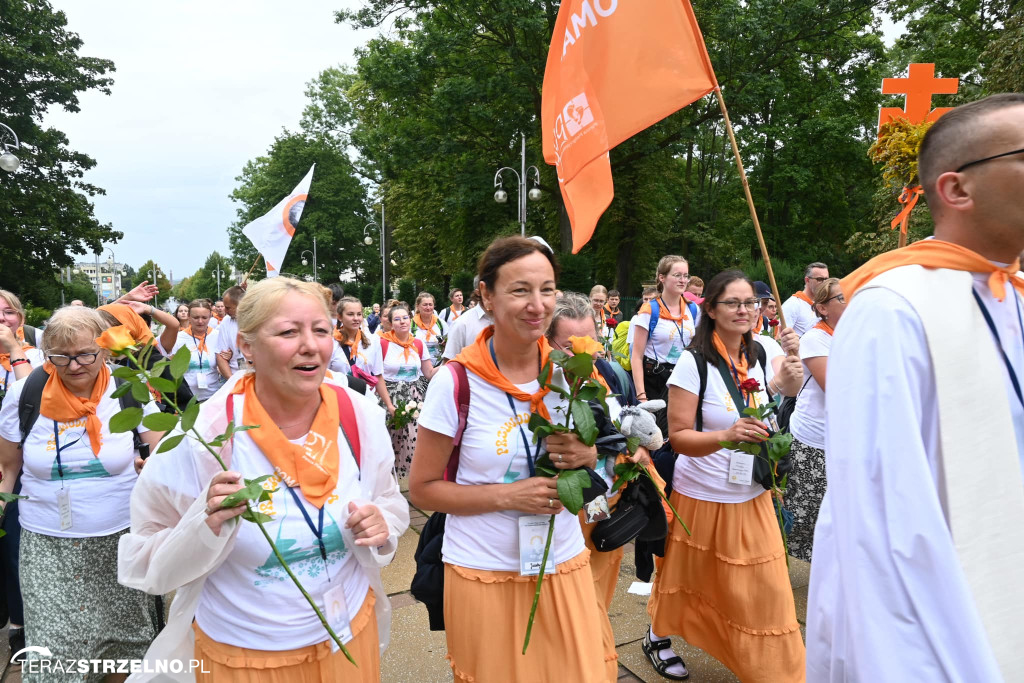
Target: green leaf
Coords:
[(545, 374), (256, 516), (570, 490), (583, 420), (160, 422), (169, 442), (123, 372), (180, 361), (188, 418), (752, 412), (8, 497), (163, 385), (158, 367), (126, 420), (245, 428), (121, 390), (590, 392), (580, 365), (544, 466), (558, 357), (141, 392), (537, 421), (632, 443), (253, 490)]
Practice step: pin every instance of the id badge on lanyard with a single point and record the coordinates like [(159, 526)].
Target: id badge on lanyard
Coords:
[(64, 495)]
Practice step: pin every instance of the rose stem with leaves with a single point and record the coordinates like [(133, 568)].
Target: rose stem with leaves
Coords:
[(277, 553)]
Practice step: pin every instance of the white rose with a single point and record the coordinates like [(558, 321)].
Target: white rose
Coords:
[(416, 415), (410, 404)]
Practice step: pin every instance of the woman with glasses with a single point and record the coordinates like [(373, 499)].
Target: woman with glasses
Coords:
[(17, 357), (202, 376), (806, 485), (407, 368), (725, 589), (78, 477), (486, 598), (658, 345)]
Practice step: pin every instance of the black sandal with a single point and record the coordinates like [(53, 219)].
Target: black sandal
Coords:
[(653, 647)]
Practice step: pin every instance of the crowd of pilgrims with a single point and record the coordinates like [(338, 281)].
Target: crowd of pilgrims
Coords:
[(115, 555)]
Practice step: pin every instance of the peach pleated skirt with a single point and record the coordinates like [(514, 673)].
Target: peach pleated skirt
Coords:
[(486, 612), (311, 664), (726, 589), (604, 566)]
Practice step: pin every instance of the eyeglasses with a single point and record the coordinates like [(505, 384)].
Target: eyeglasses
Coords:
[(403, 319), (840, 297), (734, 305), (819, 280), (994, 156), (680, 276), (64, 361)]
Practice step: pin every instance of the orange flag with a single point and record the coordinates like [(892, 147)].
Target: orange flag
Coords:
[(613, 69)]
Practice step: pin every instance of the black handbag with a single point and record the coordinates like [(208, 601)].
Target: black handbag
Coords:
[(637, 515)]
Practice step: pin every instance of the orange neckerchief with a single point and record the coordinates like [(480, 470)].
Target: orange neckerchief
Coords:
[(477, 358), (407, 346), (429, 329), (739, 365), (61, 405), (219, 318), (312, 466), (935, 254), (201, 341), (663, 312), (822, 325), (131, 320), (608, 309), (456, 313), (338, 336), (803, 297), (187, 329)]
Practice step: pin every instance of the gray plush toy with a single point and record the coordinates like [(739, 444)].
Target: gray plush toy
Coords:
[(638, 422)]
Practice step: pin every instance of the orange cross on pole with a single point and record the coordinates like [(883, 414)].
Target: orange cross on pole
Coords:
[(919, 86)]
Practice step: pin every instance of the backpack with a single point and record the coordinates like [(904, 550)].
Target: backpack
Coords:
[(31, 335), (31, 397), (428, 581), (621, 347), (418, 343), (656, 315)]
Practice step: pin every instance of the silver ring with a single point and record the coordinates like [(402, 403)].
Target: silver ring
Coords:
[(748, 432), (559, 457), (551, 503)]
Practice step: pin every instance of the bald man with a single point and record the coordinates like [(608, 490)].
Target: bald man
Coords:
[(919, 545)]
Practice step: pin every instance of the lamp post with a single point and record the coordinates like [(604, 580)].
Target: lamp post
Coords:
[(219, 274), (501, 196), (8, 142), (313, 254), (368, 241), (154, 273)]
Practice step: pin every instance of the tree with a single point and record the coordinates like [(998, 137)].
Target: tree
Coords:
[(47, 210), (203, 283), (1004, 55), (143, 273)]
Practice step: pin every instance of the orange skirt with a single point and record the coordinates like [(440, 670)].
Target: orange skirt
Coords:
[(726, 589), (312, 664), (486, 613), (604, 567)]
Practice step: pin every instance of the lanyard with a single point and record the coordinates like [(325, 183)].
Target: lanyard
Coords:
[(197, 347), (512, 405), (317, 531), (736, 379), (999, 342), (56, 443), (679, 329)]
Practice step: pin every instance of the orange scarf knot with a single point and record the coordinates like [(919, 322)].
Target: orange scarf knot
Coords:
[(739, 365), (477, 358), (407, 346), (59, 404), (429, 329), (312, 466)]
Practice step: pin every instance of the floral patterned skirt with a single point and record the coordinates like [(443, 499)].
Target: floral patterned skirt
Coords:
[(804, 491), (75, 606), (404, 440)]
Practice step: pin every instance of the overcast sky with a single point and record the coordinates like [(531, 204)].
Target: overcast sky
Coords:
[(200, 89)]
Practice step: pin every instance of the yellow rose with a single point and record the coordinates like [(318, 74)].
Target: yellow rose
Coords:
[(116, 339), (585, 345)]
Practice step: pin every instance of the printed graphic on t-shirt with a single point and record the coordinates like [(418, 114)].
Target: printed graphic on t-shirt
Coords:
[(510, 429), (76, 457)]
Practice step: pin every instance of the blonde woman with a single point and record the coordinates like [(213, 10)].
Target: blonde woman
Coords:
[(407, 367), (78, 477), (17, 357), (235, 609)]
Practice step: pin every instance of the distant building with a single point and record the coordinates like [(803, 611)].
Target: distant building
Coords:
[(108, 277)]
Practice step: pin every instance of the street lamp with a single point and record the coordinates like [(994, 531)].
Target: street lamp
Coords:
[(8, 161), (501, 196), (367, 240), (219, 274), (99, 276), (313, 254), (155, 273)]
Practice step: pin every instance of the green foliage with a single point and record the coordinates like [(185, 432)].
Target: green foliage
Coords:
[(161, 281), (36, 316), (46, 206), (462, 280), (1005, 54), (577, 273), (203, 283), (407, 291)]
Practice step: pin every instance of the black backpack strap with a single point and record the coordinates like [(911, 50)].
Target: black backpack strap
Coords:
[(31, 335), (28, 405), (702, 373)]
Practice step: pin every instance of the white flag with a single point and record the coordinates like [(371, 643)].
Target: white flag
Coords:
[(272, 232)]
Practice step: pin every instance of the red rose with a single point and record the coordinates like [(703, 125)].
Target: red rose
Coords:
[(610, 322), (750, 386), (773, 323)]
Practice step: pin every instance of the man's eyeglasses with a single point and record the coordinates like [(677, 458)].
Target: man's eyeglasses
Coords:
[(994, 156), (64, 361), (819, 280), (734, 305)]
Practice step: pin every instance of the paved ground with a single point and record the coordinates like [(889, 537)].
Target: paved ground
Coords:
[(417, 654)]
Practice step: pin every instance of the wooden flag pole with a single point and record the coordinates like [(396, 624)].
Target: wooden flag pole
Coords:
[(750, 203), (903, 239), (246, 278)]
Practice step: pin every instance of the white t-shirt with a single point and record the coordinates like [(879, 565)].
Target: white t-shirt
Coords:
[(99, 487), (808, 420), (368, 359), (227, 340), (213, 324), (432, 337), (706, 478), (799, 315), (7, 378), (252, 576), (670, 337), (493, 452), (449, 316), (465, 330), (404, 365), (202, 376), (339, 363)]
